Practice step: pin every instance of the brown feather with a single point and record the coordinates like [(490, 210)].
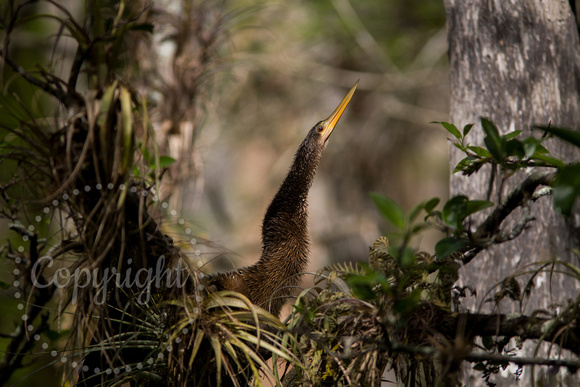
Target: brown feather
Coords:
[(285, 238)]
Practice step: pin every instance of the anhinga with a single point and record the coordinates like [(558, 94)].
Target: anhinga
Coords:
[(285, 238)]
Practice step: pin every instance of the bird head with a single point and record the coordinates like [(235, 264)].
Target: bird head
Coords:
[(322, 130)]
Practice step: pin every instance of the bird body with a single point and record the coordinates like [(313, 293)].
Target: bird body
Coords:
[(285, 238)]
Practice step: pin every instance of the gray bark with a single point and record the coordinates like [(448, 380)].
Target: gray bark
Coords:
[(516, 62)]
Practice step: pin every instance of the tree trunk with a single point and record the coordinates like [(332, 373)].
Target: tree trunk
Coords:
[(517, 63)]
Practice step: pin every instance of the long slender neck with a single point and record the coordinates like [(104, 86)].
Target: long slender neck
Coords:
[(285, 240), (285, 229)]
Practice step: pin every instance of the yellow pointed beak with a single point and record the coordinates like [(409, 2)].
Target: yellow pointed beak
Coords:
[(329, 124)]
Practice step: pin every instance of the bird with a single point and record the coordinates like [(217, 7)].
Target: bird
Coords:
[(285, 239)]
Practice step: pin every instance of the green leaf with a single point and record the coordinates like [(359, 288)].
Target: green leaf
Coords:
[(564, 198), (431, 204), (459, 146), (420, 227), (515, 148), (448, 246), (408, 304), (567, 188), (407, 258), (460, 207), (492, 140), (510, 135), (450, 128), (549, 160), (164, 162), (481, 152), (530, 145), (427, 206), (542, 149), (437, 214), (464, 164), (493, 149), (415, 211), (490, 129), (473, 206), (453, 210), (362, 285), (363, 291), (390, 210), (572, 136), (467, 129)]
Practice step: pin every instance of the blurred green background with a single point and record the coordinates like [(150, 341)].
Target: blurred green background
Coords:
[(284, 67)]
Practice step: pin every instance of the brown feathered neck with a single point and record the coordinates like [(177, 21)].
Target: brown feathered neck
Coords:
[(290, 207), (285, 238)]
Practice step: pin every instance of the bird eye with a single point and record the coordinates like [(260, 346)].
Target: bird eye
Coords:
[(320, 129)]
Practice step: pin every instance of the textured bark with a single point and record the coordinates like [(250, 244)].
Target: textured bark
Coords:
[(516, 62)]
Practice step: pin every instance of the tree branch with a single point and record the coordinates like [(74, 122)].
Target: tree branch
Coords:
[(518, 197), (563, 330), (52, 85), (493, 358)]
